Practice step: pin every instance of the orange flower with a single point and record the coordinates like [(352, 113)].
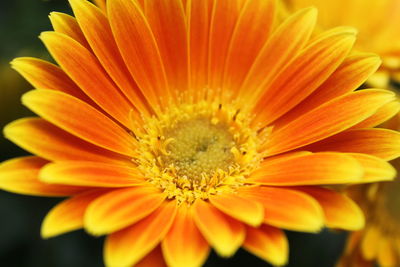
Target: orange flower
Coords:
[(177, 128), (377, 22)]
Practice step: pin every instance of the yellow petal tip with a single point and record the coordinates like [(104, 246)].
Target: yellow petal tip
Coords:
[(45, 35), (14, 62), (7, 130), (225, 251), (46, 232), (93, 227), (44, 175), (311, 11), (27, 97)]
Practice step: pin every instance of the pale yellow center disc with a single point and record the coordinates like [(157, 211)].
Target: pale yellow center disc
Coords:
[(199, 147)]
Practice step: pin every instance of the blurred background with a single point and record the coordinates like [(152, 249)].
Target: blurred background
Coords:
[(21, 21)]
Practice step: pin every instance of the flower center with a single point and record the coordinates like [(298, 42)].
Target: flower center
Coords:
[(197, 150)]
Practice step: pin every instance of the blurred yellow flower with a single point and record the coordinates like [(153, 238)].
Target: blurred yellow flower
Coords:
[(379, 241), (378, 25)]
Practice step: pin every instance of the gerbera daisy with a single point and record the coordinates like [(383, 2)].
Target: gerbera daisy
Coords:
[(377, 22), (175, 126), (379, 241)]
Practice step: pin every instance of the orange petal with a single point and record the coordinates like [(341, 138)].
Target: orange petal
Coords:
[(347, 77), (340, 211), (287, 155), (121, 208), (302, 76), (375, 169), (67, 25), (44, 75), (309, 169), (278, 51), (68, 215), (198, 16), (94, 174), (130, 245), (224, 15), (141, 3), (252, 30), (97, 31), (138, 48), (184, 246), (328, 119), (382, 114), (382, 143), (242, 209), (101, 3), (79, 119), (20, 175), (288, 209), (47, 141), (153, 259), (315, 38), (268, 243), (168, 23), (223, 233), (84, 69)]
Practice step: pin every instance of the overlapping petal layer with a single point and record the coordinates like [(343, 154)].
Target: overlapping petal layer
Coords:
[(382, 143), (353, 71), (184, 246), (324, 121), (301, 78), (98, 33), (224, 233), (68, 215), (243, 209), (313, 169), (138, 48), (121, 208), (44, 139), (98, 129), (297, 29), (339, 210), (44, 75), (126, 247), (268, 243), (68, 25), (305, 213), (21, 175)]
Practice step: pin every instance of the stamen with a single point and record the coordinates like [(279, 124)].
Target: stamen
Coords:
[(196, 150), (199, 148)]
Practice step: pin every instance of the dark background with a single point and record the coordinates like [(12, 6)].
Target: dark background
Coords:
[(21, 21)]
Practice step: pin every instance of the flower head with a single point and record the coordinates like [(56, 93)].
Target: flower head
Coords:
[(175, 126), (379, 33)]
